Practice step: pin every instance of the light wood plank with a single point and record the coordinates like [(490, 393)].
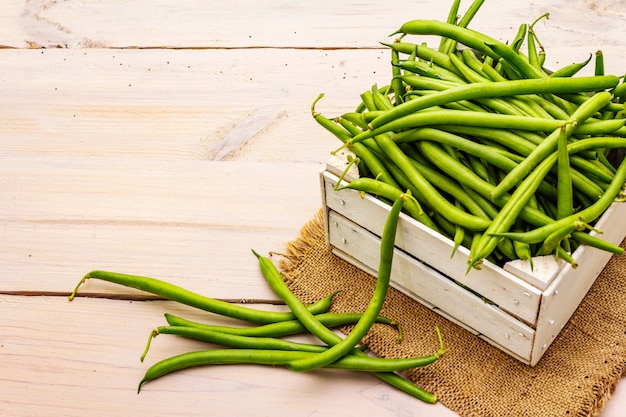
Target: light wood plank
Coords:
[(82, 107), (583, 25), (178, 104), (82, 358), (189, 221)]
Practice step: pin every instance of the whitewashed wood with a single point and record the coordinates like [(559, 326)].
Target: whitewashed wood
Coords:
[(53, 364), (354, 224), (574, 29), (177, 220), (417, 279), (178, 106), (539, 272), (563, 296), (172, 104), (513, 295)]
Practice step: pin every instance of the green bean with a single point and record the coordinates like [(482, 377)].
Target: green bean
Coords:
[(549, 144), (509, 213), (461, 118), (283, 328), (523, 251), (183, 296), (379, 188), (578, 99), (571, 69), (387, 248), (323, 333), (588, 214), (596, 242), (362, 363), (499, 89), (231, 340), (599, 67), (452, 19), (519, 38), (426, 191), (396, 83), (565, 195), (620, 90), (423, 52), (430, 71), (459, 236), (554, 239), (533, 58)]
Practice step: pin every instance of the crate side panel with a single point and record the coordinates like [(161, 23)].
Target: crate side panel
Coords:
[(568, 289), (509, 292), (415, 277), (425, 303)]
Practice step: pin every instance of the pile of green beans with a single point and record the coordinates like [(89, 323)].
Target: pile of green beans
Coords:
[(502, 156), (261, 338)]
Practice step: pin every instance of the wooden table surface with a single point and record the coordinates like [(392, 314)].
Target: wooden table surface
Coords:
[(168, 138)]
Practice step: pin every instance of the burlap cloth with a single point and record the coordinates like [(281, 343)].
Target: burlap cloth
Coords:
[(574, 378)]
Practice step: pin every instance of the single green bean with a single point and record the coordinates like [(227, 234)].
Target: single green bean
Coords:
[(596, 242), (283, 328), (599, 67), (232, 340), (497, 89), (175, 293), (396, 82), (519, 38), (361, 363), (565, 195), (360, 329), (571, 69)]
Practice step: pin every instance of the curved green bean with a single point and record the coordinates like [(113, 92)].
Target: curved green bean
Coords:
[(362, 363), (283, 328), (175, 293), (360, 329), (498, 89)]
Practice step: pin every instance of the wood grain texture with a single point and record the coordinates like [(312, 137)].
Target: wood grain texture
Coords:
[(95, 369), (110, 116)]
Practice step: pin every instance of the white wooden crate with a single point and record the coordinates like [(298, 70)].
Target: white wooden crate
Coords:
[(527, 310)]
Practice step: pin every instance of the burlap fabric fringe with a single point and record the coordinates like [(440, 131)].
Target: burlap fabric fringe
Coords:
[(574, 378)]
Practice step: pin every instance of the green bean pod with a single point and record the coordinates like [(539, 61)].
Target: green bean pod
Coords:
[(283, 328), (360, 329), (362, 363), (184, 296)]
